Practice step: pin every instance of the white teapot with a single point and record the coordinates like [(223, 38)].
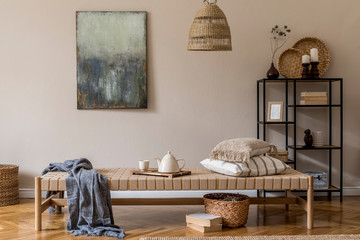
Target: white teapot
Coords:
[(169, 163)]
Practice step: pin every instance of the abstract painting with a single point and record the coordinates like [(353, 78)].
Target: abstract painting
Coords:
[(111, 60)]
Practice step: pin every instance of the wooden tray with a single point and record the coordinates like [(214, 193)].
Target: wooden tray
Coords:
[(154, 172)]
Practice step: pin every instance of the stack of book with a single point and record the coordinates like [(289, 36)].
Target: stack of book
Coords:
[(313, 98), (204, 222)]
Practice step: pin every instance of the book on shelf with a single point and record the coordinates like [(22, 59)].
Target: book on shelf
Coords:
[(313, 102), (203, 219), (317, 94), (204, 229), (314, 98)]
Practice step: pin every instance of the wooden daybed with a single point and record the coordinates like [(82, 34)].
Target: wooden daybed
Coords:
[(120, 179)]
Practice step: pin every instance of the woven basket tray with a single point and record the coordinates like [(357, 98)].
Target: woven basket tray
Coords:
[(305, 44), (289, 63), (9, 184), (233, 213)]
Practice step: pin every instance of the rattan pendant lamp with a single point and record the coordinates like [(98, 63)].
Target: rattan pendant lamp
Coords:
[(210, 30)]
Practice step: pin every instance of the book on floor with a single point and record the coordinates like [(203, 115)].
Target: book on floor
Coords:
[(204, 229), (203, 219)]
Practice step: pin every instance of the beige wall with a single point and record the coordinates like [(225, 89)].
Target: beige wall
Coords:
[(195, 99)]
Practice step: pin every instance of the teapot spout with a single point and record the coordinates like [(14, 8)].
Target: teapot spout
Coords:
[(158, 161)]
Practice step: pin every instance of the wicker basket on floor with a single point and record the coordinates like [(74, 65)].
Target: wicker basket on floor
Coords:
[(232, 207), (9, 184)]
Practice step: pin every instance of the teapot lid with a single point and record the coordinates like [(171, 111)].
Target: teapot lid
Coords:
[(169, 155)]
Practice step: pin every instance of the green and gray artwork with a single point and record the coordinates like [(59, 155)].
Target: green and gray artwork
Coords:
[(111, 60)]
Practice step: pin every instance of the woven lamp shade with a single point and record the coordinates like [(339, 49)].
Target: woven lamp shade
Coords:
[(210, 30)]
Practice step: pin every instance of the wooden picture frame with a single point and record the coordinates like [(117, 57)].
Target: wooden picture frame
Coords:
[(275, 112)]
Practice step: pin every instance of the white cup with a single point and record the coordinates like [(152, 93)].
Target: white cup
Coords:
[(144, 165), (318, 138)]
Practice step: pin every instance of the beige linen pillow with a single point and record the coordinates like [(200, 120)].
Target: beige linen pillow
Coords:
[(240, 149)]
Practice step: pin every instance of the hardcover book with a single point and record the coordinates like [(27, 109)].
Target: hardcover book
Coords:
[(318, 94), (203, 219), (204, 229)]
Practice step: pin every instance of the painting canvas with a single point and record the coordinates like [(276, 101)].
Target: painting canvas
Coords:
[(111, 60)]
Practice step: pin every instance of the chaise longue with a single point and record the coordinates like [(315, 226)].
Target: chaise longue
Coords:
[(120, 179)]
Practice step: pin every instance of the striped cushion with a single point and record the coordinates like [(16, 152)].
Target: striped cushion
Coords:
[(257, 166)]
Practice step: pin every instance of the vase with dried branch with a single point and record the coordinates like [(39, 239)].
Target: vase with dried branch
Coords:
[(279, 36)]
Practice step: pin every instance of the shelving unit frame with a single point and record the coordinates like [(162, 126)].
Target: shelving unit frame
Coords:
[(296, 147)]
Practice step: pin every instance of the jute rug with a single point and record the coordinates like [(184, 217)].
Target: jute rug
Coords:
[(293, 237)]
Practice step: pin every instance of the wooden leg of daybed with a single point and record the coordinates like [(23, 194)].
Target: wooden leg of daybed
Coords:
[(38, 203), (61, 196), (310, 203), (287, 195)]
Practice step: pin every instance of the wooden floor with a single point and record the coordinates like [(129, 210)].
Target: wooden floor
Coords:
[(17, 221)]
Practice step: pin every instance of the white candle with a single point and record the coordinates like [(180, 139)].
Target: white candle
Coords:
[(314, 52), (305, 59)]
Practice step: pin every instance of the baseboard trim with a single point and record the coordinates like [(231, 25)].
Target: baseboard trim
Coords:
[(351, 191), (29, 193)]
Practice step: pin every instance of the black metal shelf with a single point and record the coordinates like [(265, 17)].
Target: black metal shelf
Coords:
[(331, 188), (299, 80), (300, 147), (275, 123), (292, 106), (327, 105)]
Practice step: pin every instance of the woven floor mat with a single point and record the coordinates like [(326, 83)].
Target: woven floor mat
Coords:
[(292, 237)]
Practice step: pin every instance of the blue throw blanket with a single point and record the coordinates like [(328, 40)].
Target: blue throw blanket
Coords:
[(88, 199)]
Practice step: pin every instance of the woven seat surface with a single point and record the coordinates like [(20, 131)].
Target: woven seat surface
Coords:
[(200, 179)]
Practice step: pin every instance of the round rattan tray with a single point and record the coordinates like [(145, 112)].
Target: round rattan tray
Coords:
[(289, 63), (305, 44), (9, 184)]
